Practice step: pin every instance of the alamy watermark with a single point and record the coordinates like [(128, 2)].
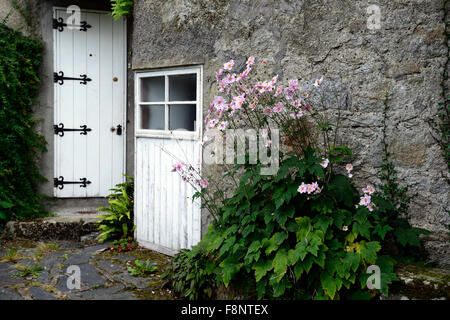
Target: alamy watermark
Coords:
[(74, 279), (263, 146), (374, 281)]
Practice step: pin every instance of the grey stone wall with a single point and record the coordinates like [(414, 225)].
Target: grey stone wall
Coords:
[(403, 59)]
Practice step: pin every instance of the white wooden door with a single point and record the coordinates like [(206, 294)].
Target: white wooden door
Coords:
[(97, 54), (168, 128)]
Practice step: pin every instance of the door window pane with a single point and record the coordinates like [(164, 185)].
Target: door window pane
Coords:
[(183, 87), (152, 89), (182, 117), (152, 117)]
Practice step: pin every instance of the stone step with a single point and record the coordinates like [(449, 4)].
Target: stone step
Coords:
[(73, 219), (51, 229)]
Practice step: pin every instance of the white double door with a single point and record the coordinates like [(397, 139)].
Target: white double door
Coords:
[(89, 109)]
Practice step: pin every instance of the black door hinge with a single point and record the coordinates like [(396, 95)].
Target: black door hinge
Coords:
[(59, 129), (59, 182), (59, 78), (59, 25)]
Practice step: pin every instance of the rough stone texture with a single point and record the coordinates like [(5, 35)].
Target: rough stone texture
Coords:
[(309, 39), (50, 230)]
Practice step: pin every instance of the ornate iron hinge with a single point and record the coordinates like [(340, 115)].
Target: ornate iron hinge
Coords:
[(59, 25), (59, 78), (59, 129), (59, 182)]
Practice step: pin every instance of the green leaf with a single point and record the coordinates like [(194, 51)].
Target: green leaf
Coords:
[(328, 284), (407, 236), (229, 267), (275, 241), (298, 270), (280, 263), (301, 250), (261, 267), (323, 222), (256, 245), (369, 250)]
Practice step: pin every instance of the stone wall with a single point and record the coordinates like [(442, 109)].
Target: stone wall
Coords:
[(403, 59)]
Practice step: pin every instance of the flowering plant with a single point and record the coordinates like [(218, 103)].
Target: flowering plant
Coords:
[(305, 232)]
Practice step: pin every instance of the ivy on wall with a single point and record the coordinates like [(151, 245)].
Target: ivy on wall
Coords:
[(121, 8), (20, 58)]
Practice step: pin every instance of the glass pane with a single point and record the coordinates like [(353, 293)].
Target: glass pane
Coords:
[(182, 117), (183, 87), (152, 117), (152, 89)]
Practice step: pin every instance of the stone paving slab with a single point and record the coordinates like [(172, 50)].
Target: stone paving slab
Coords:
[(104, 274)]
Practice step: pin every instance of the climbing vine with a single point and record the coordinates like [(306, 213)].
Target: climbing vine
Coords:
[(444, 107), (19, 86)]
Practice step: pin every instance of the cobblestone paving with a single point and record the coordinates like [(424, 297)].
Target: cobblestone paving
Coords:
[(104, 274)]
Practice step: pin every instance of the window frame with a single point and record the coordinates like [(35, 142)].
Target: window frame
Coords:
[(171, 134)]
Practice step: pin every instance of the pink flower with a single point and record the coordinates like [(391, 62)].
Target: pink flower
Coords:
[(223, 125), (365, 201), (250, 61), (369, 189), (229, 65), (293, 84), (268, 143), (299, 114), (278, 107), (296, 103), (279, 91), (274, 80), (264, 62), (178, 167), (349, 167), (318, 82), (315, 185), (212, 123), (204, 183), (267, 111), (324, 163), (293, 115), (252, 106), (309, 188), (218, 101), (264, 132), (222, 86), (302, 188)]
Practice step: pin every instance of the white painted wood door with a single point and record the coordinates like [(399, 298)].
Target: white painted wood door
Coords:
[(168, 129), (100, 104)]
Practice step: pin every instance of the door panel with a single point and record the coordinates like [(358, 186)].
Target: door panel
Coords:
[(100, 104), (167, 219)]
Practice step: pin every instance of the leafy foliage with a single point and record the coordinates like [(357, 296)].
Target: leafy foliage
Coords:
[(120, 222), (275, 236), (121, 8), (19, 84), (190, 273), (273, 242)]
